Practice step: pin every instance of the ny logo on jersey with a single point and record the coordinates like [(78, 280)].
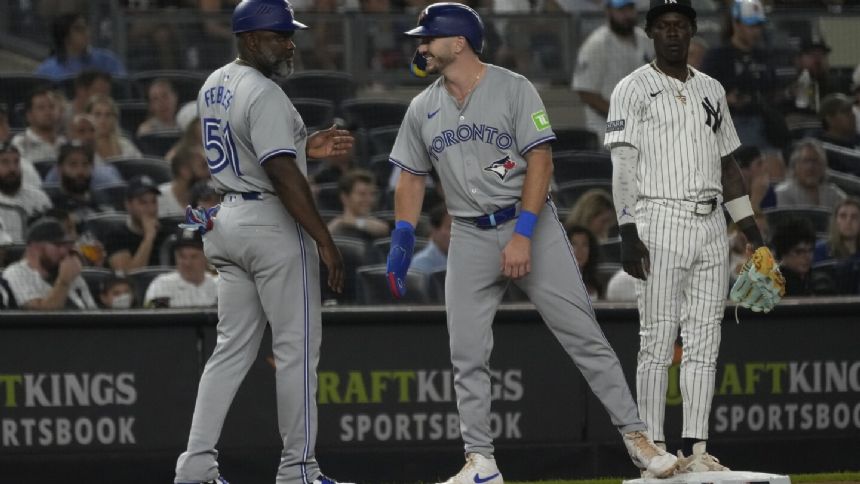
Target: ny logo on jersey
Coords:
[(501, 167), (715, 118)]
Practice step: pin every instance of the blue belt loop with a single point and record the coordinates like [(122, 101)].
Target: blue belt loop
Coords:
[(492, 220)]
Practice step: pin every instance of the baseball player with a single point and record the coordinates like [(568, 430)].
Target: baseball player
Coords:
[(266, 243), (485, 131), (671, 139)]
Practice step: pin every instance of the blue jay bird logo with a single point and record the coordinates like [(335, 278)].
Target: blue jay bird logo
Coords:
[(501, 167)]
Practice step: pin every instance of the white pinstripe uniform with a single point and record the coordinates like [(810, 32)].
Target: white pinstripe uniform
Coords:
[(680, 144), (268, 267)]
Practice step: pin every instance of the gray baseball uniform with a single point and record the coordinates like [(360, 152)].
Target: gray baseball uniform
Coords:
[(479, 153), (269, 271), (681, 131)]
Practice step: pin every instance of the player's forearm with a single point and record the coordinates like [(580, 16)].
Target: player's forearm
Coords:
[(624, 188), (737, 202), (538, 175), (142, 254), (408, 197), (295, 194)]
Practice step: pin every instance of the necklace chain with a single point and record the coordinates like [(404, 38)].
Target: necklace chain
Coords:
[(474, 83), (680, 96)]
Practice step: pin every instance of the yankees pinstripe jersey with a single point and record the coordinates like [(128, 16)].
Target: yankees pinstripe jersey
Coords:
[(181, 293), (27, 284), (234, 151), (680, 129), (479, 149)]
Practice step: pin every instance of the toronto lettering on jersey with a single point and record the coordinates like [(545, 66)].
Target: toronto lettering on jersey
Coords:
[(469, 132), (71, 393), (406, 399)]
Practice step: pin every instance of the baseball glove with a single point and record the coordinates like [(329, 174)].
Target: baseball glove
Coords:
[(760, 285)]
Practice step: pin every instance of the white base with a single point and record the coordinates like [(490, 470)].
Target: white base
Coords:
[(716, 477)]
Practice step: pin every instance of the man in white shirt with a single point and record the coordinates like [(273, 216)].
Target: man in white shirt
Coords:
[(48, 275), (188, 167), (19, 201), (610, 53), (189, 285)]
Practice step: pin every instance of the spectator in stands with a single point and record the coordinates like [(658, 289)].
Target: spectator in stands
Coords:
[(190, 285), (756, 177), (75, 193), (116, 293), (807, 184), (434, 256), (843, 237), (839, 139), (87, 84), (594, 210), (793, 242), (813, 58), (188, 167), (162, 99), (30, 200), (48, 275), (358, 194), (40, 140), (136, 244), (587, 254), (71, 51), (621, 287), (110, 142), (593, 77), (743, 67), (81, 133)]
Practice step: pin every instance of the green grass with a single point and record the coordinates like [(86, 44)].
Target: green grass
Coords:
[(795, 478)]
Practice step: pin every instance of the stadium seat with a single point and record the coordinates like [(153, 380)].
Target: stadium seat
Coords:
[(819, 216), (157, 143), (370, 113), (11, 253), (579, 165), (575, 139), (187, 84), (381, 169), (328, 197), (316, 113), (131, 115), (381, 140), (610, 250), (569, 192), (102, 224), (328, 85), (373, 287), (355, 254), (140, 279), (116, 195), (156, 168), (95, 277)]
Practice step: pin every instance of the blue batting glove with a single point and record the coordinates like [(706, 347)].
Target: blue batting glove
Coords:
[(399, 257), (200, 219)]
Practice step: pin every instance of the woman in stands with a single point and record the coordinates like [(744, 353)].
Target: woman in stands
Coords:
[(110, 142), (843, 240)]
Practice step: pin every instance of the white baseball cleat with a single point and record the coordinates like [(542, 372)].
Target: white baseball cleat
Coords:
[(478, 470), (647, 456), (700, 461)]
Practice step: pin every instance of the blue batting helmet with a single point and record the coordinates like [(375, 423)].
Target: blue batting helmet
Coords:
[(448, 20), (276, 15)]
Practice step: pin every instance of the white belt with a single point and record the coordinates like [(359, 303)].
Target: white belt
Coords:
[(704, 207)]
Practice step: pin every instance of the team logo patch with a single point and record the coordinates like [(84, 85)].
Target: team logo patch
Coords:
[(617, 125), (501, 167), (541, 120)]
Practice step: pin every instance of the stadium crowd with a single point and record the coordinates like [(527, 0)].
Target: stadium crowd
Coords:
[(98, 162)]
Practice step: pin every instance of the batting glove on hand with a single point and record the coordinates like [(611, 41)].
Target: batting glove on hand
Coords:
[(399, 257), (635, 257), (200, 219)]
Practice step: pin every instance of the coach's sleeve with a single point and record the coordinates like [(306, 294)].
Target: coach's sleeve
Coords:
[(531, 122), (728, 136), (623, 123), (270, 123), (409, 152)]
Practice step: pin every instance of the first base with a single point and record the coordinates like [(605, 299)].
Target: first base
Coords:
[(716, 477)]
